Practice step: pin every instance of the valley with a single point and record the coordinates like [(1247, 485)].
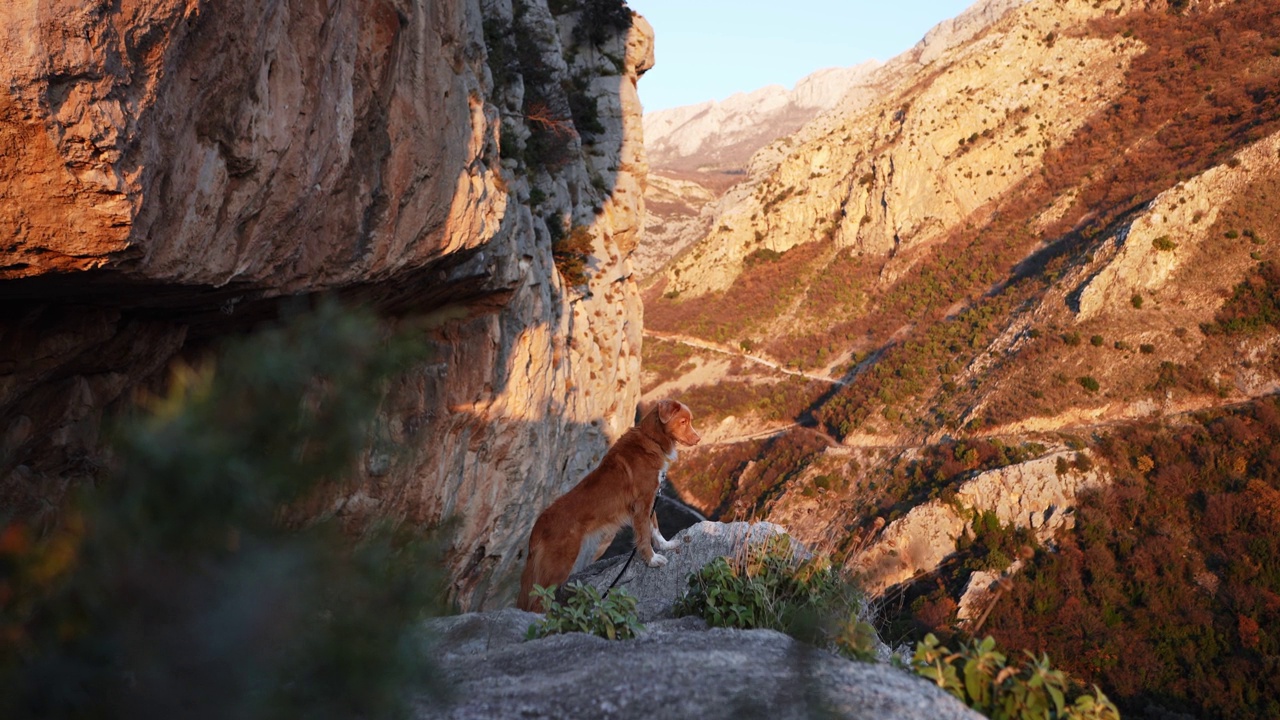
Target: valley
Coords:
[(1046, 246)]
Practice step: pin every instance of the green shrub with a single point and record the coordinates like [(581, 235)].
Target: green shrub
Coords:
[(1136, 301), (1088, 383), (1254, 304), (584, 610), (982, 678), (993, 545), (181, 586), (760, 257), (1164, 244), (1096, 341), (770, 586)]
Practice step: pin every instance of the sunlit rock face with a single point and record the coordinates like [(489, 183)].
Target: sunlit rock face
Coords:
[(173, 168)]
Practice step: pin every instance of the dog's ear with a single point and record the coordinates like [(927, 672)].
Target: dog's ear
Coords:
[(667, 409)]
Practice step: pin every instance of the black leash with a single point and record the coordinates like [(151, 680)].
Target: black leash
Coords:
[(624, 571), (653, 509)]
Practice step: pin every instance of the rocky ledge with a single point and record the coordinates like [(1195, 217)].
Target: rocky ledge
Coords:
[(677, 667)]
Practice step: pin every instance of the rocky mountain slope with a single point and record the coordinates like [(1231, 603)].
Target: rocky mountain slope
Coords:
[(1054, 229), (700, 151), (173, 168), (724, 134)]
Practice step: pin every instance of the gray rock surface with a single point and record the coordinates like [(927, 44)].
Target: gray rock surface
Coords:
[(675, 669), (657, 589)]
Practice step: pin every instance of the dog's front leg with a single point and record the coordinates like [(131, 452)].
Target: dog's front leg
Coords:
[(660, 542), (645, 533)]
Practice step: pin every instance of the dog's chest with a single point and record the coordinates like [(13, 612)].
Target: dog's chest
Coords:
[(666, 463)]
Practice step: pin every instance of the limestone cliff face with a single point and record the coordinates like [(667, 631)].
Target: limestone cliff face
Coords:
[(1035, 494), (172, 167)]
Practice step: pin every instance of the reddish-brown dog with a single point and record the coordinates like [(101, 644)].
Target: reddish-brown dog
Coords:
[(575, 529)]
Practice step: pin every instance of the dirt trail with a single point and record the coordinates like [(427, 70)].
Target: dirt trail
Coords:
[(728, 350)]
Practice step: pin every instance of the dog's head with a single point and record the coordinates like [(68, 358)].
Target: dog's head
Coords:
[(677, 421)]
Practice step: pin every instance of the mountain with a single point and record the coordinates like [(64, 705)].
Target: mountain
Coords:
[(698, 152), (724, 134), (1020, 299), (702, 150)]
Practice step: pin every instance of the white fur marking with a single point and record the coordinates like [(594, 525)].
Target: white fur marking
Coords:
[(660, 542), (657, 561)]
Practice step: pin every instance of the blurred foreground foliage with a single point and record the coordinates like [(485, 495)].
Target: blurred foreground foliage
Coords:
[(180, 587), (985, 679)]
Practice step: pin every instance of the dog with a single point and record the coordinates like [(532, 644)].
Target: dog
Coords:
[(576, 528)]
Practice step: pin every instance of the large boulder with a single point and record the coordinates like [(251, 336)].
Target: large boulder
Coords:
[(674, 669), (658, 589)]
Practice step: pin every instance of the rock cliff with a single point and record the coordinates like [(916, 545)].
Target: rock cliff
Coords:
[(174, 167), (1034, 494), (676, 668)]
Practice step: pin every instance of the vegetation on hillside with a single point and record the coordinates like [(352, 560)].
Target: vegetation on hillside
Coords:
[(1167, 592), (960, 343), (981, 676), (611, 615)]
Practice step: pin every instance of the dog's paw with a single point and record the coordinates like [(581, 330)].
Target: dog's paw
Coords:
[(657, 561)]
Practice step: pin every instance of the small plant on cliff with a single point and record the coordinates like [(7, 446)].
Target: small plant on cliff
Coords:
[(571, 253), (584, 610), (982, 678), (189, 582), (770, 586)]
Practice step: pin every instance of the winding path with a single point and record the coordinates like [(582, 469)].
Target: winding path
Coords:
[(727, 350)]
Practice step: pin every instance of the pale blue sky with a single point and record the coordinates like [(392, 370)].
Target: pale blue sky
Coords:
[(711, 49)]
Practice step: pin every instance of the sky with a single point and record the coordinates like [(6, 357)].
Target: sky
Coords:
[(711, 49)]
